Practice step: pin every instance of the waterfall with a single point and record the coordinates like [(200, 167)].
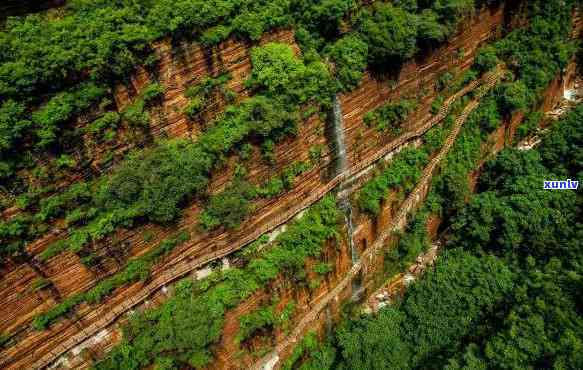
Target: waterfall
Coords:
[(347, 209), (342, 166), (339, 141)]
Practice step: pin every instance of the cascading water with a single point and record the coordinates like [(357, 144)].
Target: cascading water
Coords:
[(339, 141), (342, 166)]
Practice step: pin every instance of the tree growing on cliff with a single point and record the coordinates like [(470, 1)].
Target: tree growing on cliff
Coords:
[(350, 55), (279, 73), (486, 59), (390, 32)]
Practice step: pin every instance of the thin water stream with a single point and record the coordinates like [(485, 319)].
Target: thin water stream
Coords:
[(341, 167)]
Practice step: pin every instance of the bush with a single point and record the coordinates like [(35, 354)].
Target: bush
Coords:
[(154, 182), (48, 120), (349, 54), (390, 116), (231, 206), (436, 104), (444, 81), (530, 125), (259, 319), (486, 59), (430, 31), (401, 174), (390, 33), (200, 94), (13, 124), (135, 115), (228, 208), (109, 120), (152, 92), (514, 96), (277, 72)]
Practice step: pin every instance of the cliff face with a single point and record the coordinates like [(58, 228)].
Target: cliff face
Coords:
[(186, 64), (181, 66)]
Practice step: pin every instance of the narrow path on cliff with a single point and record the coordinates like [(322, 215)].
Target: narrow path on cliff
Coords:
[(182, 266), (397, 224)]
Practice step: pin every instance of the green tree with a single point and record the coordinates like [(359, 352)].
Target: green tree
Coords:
[(350, 55), (390, 32)]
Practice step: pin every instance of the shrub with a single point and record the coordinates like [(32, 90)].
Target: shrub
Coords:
[(486, 59), (48, 120), (200, 93), (278, 72), (13, 124), (390, 116), (430, 31), (109, 120), (135, 115), (390, 33), (515, 96), (349, 54), (402, 173), (152, 92), (229, 208), (436, 104), (259, 319), (444, 81)]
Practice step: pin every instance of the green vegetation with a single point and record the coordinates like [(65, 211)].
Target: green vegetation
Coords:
[(39, 284), (390, 32), (263, 318), (349, 54), (530, 125), (63, 65), (486, 59), (136, 270), (413, 241), (53, 69), (402, 173), (436, 313), (4, 340), (184, 327), (389, 117), (278, 73), (394, 32), (436, 104), (404, 170), (135, 114), (231, 206), (200, 93), (505, 293), (153, 184), (311, 354)]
